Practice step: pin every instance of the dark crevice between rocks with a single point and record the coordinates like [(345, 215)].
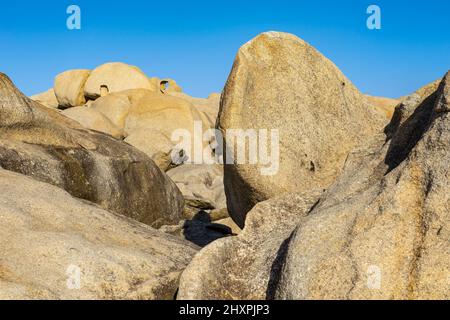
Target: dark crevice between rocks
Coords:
[(404, 136), (175, 296), (201, 231), (276, 269)]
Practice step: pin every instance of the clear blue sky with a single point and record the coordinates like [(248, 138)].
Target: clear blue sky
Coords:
[(195, 42)]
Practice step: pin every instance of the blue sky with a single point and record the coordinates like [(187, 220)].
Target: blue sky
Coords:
[(195, 42)]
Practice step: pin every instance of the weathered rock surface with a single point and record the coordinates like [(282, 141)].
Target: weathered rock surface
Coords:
[(170, 85), (40, 142), (200, 230), (115, 77), (93, 120), (46, 234), (115, 106), (231, 224), (280, 82), (386, 106), (154, 143), (208, 107), (203, 182), (69, 88), (382, 231), (148, 119), (47, 99), (164, 115), (246, 267)]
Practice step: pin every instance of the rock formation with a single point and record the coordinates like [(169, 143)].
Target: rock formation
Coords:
[(245, 267), (385, 106), (47, 99), (115, 107), (54, 246), (93, 120), (203, 182), (379, 232), (391, 217), (114, 77), (69, 88), (169, 85), (163, 114), (41, 143), (208, 107), (357, 208), (280, 82)]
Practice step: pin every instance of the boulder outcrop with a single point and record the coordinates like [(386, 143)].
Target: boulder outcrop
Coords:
[(114, 77), (47, 98), (380, 231), (279, 82), (69, 88), (54, 246), (42, 143)]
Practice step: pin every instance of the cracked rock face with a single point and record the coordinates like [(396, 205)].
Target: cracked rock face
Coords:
[(280, 82), (41, 143), (54, 246), (382, 230)]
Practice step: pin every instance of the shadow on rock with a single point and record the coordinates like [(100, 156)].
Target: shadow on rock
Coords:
[(202, 231)]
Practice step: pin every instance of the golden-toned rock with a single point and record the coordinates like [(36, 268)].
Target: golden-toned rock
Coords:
[(384, 105), (231, 224), (201, 181), (93, 120), (42, 143), (47, 99), (114, 77), (169, 85), (69, 88), (153, 143), (209, 108), (115, 107), (279, 82), (149, 119), (165, 115), (54, 246)]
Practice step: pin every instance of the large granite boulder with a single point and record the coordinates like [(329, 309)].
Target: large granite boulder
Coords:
[(54, 246), (47, 99), (69, 88), (380, 231), (40, 142), (279, 82), (94, 120), (114, 77)]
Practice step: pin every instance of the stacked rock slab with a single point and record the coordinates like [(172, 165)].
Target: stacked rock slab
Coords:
[(114, 77), (94, 120), (40, 142), (280, 82), (54, 246), (47, 98), (69, 88)]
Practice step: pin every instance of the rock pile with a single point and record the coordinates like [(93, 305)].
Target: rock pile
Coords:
[(357, 207)]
